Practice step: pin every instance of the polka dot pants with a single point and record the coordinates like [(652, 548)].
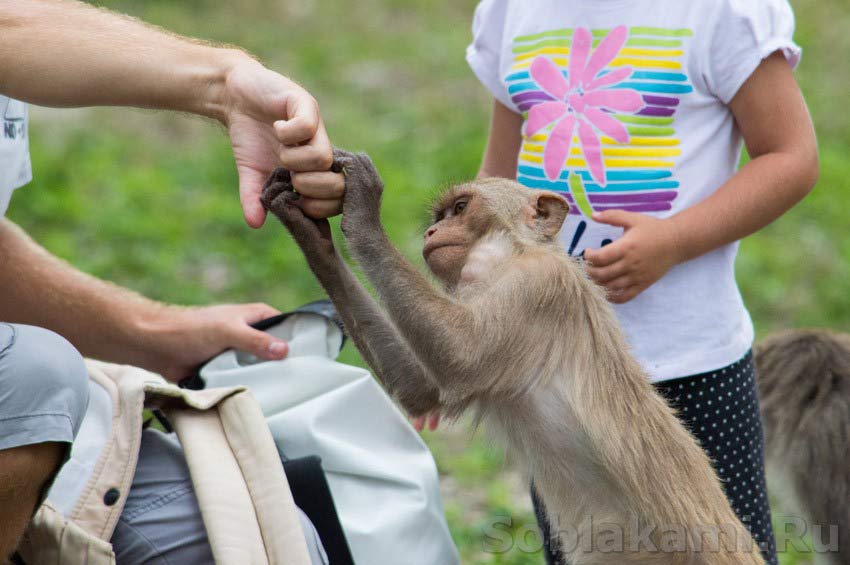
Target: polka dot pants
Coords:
[(721, 410)]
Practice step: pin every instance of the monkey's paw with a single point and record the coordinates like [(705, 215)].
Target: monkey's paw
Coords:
[(361, 204), (277, 191), (313, 236)]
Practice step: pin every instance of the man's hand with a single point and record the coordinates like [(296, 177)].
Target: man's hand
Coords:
[(101, 58), (648, 249), (272, 122), (178, 339)]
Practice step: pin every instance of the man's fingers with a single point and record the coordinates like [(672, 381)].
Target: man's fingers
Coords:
[(434, 421), (320, 185), (259, 311), (320, 208), (315, 155), (260, 344), (605, 256), (303, 121)]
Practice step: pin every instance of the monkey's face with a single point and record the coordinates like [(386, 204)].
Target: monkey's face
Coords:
[(465, 213), (450, 236)]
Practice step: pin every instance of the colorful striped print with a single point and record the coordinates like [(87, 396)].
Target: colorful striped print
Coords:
[(638, 173)]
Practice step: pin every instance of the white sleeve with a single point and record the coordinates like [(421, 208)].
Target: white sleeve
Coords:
[(744, 33), (484, 54)]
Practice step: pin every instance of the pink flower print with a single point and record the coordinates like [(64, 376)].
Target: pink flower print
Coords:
[(580, 101)]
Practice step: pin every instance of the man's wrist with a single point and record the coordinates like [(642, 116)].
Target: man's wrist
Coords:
[(212, 101)]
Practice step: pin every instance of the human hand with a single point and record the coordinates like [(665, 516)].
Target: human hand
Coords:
[(175, 339), (432, 419), (272, 121), (647, 250)]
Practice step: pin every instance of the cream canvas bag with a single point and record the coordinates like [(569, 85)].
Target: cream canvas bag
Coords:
[(242, 491)]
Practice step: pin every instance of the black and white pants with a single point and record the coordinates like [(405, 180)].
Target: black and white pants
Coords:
[(721, 410)]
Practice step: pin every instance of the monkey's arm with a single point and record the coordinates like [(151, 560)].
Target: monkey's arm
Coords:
[(468, 346), (373, 334)]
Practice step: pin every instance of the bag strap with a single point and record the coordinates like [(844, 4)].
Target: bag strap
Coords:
[(245, 500)]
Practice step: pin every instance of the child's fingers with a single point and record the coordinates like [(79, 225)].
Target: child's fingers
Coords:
[(624, 295), (605, 256), (604, 275), (619, 218), (620, 284), (322, 185)]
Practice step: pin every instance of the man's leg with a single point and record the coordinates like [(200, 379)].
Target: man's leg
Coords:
[(161, 522), (43, 398)]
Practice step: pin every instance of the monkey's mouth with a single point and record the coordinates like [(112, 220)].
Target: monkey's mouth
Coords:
[(429, 248)]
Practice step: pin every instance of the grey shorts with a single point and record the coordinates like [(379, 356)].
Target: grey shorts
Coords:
[(43, 387)]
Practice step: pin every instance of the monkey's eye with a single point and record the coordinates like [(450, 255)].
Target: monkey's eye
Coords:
[(459, 207)]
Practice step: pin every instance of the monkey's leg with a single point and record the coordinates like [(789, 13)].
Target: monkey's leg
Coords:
[(374, 335)]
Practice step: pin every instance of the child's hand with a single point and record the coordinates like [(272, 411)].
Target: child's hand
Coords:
[(648, 249)]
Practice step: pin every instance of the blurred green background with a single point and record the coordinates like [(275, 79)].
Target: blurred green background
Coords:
[(148, 200)]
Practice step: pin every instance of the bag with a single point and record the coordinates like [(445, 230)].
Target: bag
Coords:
[(233, 463), (382, 475)]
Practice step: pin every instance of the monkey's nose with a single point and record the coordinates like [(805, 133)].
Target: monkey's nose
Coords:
[(430, 232)]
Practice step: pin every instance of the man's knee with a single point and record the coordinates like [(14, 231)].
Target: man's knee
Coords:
[(41, 376)]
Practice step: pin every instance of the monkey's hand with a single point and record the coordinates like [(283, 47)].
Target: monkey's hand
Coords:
[(313, 236), (361, 205)]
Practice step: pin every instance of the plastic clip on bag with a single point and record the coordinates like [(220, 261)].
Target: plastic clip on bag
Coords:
[(383, 478)]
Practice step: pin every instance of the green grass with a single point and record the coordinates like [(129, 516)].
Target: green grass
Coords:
[(148, 200)]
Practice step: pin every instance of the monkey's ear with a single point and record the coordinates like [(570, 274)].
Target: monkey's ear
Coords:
[(552, 210)]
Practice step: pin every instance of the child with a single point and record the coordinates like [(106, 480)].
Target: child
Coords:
[(636, 110)]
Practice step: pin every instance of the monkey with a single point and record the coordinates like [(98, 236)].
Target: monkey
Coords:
[(803, 380), (520, 335)]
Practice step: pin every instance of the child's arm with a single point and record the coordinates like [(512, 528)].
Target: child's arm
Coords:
[(503, 144), (776, 126)]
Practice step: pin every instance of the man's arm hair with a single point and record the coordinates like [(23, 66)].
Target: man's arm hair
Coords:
[(66, 53), (101, 319)]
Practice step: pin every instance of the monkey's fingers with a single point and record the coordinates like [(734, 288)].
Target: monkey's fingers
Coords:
[(278, 175), (303, 229), (343, 160), (271, 192)]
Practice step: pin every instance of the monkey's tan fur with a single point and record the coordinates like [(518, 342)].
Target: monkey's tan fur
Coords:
[(523, 336), (804, 389)]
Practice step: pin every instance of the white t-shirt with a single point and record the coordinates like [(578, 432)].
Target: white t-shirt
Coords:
[(625, 106), (15, 169)]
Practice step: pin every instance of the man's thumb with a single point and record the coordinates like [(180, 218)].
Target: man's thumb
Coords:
[(250, 190), (260, 344)]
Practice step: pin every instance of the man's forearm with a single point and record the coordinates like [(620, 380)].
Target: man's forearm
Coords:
[(66, 53), (100, 319)]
